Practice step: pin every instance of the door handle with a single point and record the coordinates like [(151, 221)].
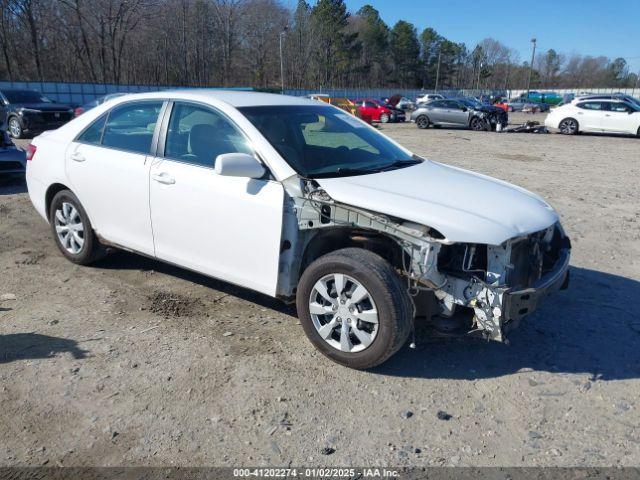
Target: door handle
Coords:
[(163, 178), (77, 157), (607, 115)]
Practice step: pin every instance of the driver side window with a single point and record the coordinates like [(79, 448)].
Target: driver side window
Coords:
[(198, 134)]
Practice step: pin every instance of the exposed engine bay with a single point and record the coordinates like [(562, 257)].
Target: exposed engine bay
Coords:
[(493, 285)]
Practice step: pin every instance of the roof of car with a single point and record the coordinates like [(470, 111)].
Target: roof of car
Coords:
[(235, 98)]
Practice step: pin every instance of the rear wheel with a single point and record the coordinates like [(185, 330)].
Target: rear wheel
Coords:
[(568, 126), (422, 121), (15, 129), (72, 229), (354, 307)]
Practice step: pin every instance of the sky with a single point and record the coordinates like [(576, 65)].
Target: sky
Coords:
[(589, 27)]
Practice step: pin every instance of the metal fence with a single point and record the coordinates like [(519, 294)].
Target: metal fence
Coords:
[(81, 93), (412, 94)]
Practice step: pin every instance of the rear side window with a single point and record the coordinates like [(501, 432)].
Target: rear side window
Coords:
[(130, 126), (93, 134), (591, 106), (198, 135)]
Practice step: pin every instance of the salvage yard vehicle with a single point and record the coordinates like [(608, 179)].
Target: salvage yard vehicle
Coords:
[(595, 116), (459, 112), (303, 202), (375, 110), (30, 112), (12, 161)]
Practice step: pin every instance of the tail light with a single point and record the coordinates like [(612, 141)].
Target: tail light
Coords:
[(31, 151), (78, 111)]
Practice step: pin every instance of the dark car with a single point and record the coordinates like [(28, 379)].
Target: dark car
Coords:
[(30, 112), (12, 160), (460, 112)]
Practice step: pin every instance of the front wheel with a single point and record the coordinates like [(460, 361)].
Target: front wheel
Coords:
[(15, 129), (478, 124), (422, 122), (72, 229), (568, 126), (354, 307), (384, 118)]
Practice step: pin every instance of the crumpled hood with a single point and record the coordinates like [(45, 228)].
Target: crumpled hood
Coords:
[(462, 205)]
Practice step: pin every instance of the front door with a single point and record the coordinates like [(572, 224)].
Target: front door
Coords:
[(225, 227), (108, 167)]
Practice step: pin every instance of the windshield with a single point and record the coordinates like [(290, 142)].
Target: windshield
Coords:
[(25, 96), (321, 141)]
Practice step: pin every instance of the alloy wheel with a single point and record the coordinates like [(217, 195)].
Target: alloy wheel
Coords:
[(568, 126), (343, 313), (422, 122), (14, 128), (69, 228)]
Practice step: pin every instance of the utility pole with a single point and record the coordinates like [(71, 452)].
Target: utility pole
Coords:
[(438, 69), (533, 55), (282, 34)]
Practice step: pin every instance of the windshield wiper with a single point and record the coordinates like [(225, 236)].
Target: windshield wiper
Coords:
[(345, 172), (399, 164)]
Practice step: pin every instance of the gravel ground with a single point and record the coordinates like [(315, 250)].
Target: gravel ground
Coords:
[(136, 362)]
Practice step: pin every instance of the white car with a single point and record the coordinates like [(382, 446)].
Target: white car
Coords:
[(595, 115), (303, 202), (427, 97)]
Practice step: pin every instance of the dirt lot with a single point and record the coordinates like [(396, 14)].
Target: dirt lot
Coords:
[(136, 362)]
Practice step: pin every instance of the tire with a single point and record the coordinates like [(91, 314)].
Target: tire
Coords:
[(477, 124), (422, 122), (384, 118), (569, 126), (15, 129), (386, 297), (60, 216), (638, 133)]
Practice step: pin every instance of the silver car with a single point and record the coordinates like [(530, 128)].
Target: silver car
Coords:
[(461, 112)]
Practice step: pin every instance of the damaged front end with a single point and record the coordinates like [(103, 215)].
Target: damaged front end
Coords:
[(493, 286)]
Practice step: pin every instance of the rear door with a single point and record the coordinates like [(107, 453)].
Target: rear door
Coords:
[(108, 167), (225, 227)]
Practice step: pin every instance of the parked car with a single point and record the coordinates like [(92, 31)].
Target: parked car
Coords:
[(427, 97), (607, 96), (459, 112), (374, 110), (94, 103), (397, 114), (522, 104), (303, 202), (549, 98), (12, 160), (400, 102), (600, 116), (30, 112)]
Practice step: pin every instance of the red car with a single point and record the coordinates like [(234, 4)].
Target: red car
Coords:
[(374, 110)]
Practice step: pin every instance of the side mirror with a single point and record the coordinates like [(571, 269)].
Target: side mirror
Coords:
[(238, 165), (464, 109)]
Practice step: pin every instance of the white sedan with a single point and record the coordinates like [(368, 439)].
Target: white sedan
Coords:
[(303, 202), (596, 116)]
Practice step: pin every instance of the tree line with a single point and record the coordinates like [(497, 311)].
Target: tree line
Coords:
[(238, 42)]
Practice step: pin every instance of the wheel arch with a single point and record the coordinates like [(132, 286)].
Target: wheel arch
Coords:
[(51, 192), (329, 240)]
